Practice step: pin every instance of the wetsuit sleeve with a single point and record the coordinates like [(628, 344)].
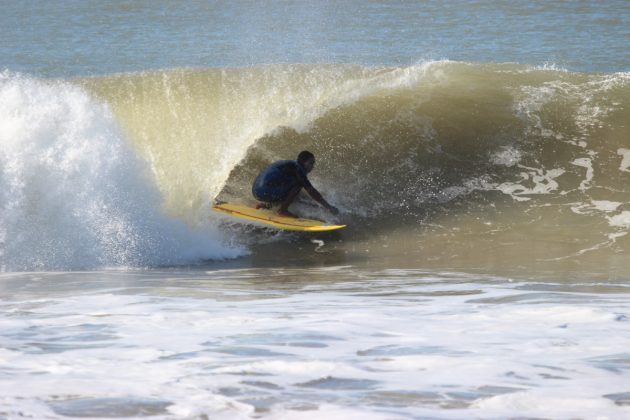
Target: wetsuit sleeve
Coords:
[(303, 180)]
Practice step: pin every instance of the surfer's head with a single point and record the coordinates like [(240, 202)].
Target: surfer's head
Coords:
[(307, 160)]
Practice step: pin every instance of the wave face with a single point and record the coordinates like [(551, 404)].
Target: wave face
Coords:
[(73, 194), (484, 152)]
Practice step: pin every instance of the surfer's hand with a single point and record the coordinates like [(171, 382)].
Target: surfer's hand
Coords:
[(334, 210)]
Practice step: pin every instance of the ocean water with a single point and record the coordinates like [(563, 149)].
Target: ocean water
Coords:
[(478, 151)]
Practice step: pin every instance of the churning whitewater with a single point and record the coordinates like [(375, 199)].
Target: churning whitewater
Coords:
[(333, 342), (120, 170), (73, 192)]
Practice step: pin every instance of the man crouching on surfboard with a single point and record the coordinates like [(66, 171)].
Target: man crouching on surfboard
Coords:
[(282, 181)]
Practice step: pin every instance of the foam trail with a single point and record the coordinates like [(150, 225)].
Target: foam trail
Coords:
[(588, 165), (73, 194)]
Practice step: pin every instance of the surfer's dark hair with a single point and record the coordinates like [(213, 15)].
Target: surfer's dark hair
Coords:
[(305, 155)]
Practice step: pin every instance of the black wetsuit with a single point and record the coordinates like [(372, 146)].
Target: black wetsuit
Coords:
[(278, 179)]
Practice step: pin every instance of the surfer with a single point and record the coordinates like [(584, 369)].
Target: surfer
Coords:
[(282, 181)]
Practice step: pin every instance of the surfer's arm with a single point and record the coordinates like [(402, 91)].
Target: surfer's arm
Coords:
[(315, 195)]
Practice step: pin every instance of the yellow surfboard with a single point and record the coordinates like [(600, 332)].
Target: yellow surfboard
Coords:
[(271, 218)]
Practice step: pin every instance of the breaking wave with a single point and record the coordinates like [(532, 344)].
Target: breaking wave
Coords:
[(74, 195), (89, 166)]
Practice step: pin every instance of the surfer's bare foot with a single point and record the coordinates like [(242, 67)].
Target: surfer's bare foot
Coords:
[(287, 213), (265, 206)]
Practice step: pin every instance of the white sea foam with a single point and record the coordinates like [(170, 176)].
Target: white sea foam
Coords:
[(394, 344), (543, 180), (595, 205), (588, 165), (605, 205), (620, 220)]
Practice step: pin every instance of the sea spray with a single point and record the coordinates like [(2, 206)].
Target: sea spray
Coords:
[(73, 192)]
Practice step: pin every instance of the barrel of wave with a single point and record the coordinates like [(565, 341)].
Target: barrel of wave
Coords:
[(194, 126)]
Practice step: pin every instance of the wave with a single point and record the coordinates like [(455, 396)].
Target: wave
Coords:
[(539, 147)]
